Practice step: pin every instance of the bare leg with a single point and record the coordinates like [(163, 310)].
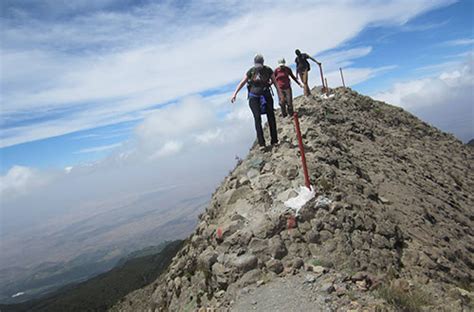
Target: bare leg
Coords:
[(304, 80)]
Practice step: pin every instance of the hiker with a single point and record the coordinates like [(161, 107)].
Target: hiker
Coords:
[(302, 68), (259, 79), (282, 76)]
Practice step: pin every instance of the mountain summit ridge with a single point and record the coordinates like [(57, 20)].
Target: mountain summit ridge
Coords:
[(392, 213)]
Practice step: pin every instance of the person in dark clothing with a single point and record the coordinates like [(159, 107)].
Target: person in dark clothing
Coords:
[(303, 67), (259, 79)]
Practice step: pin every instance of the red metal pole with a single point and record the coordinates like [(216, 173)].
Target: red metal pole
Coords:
[(322, 77), (303, 157), (342, 77)]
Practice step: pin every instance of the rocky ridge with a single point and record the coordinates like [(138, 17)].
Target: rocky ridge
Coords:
[(392, 218)]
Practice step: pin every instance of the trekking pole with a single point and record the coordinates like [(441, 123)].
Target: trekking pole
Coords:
[(342, 77), (322, 77), (303, 157), (327, 87)]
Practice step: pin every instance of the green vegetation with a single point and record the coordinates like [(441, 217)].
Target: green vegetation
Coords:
[(402, 299), (323, 263), (104, 290)]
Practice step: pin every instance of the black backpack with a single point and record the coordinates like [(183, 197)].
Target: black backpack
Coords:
[(302, 63), (259, 80)]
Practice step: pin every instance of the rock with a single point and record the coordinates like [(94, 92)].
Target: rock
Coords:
[(372, 194), (327, 288), (284, 196), (401, 285), (312, 236), (245, 263), (316, 269), (230, 228), (220, 273), (359, 276), (298, 263), (309, 279), (292, 172), (243, 181), (207, 259), (219, 294), (251, 277), (304, 227), (383, 200), (256, 163), (324, 235), (258, 246), (274, 265), (277, 248), (362, 285), (252, 173), (240, 238), (322, 202)]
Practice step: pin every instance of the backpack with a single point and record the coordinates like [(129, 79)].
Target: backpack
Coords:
[(258, 79), (302, 63)]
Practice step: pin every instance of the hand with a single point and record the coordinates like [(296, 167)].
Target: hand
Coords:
[(300, 84), (319, 63), (232, 99)]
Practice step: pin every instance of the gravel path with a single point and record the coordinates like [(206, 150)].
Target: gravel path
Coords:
[(291, 293)]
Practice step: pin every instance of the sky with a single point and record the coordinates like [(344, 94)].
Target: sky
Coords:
[(101, 98)]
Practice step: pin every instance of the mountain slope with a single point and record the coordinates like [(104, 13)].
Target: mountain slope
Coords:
[(393, 213), (103, 291)]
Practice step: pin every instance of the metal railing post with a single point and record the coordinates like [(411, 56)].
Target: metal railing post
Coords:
[(303, 157), (342, 77), (322, 78)]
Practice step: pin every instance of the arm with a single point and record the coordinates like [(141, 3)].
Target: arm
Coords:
[(280, 95), (312, 59), (294, 78), (240, 86)]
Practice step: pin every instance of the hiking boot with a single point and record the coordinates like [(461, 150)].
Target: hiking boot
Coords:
[(262, 149)]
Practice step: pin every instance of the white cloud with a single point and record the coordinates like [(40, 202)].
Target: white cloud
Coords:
[(444, 100), (344, 58), (168, 149), (208, 136), (20, 180), (460, 42), (354, 76), (157, 53), (99, 148)]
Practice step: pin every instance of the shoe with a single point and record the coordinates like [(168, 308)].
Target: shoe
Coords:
[(276, 144), (262, 148)]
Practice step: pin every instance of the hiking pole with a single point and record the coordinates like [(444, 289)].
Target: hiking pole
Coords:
[(342, 77), (322, 77), (303, 157), (327, 87)]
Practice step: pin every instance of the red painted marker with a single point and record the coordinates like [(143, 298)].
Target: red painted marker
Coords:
[(219, 233)]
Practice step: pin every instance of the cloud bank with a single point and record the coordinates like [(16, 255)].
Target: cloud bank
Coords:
[(445, 100)]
